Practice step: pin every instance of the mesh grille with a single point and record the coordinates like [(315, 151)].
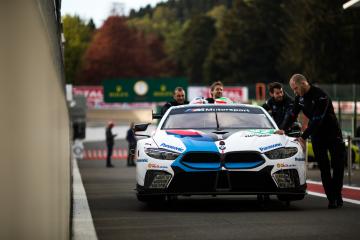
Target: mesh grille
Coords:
[(201, 158), (243, 157)]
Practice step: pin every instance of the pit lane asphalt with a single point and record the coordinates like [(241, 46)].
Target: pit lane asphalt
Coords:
[(118, 215)]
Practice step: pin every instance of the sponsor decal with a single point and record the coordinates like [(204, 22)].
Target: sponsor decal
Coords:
[(257, 135), (300, 159), (192, 134), (195, 110), (140, 160), (246, 110), (285, 165), (156, 166), (185, 133), (272, 146), (262, 131), (222, 145), (179, 149)]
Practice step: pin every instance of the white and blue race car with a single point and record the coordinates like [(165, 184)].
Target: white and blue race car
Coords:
[(218, 150)]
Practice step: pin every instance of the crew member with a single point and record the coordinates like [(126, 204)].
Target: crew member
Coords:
[(179, 99), (279, 104), (325, 132), (131, 139), (216, 91), (109, 143)]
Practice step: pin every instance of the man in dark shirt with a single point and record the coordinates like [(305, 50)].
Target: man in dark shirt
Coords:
[(109, 143), (279, 105), (216, 91), (325, 132), (179, 97), (130, 137)]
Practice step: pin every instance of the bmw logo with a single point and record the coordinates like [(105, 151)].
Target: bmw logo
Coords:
[(222, 145)]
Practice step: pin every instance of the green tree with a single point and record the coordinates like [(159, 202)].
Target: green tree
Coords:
[(78, 35), (223, 57), (184, 9), (218, 13), (351, 46), (246, 48), (314, 40), (163, 22), (119, 51), (196, 42), (91, 25)]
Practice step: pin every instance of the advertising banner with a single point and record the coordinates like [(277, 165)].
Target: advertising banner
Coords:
[(141, 89), (95, 99)]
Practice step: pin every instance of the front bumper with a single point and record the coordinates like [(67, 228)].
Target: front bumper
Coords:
[(222, 183)]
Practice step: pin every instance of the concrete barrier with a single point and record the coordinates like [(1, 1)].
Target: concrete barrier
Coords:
[(35, 140)]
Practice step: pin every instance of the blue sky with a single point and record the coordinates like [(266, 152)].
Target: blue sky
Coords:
[(99, 10)]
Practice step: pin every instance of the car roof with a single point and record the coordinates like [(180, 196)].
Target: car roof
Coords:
[(216, 105), (236, 105)]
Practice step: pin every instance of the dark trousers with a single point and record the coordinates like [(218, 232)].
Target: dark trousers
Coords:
[(109, 154), (332, 183), (131, 155)]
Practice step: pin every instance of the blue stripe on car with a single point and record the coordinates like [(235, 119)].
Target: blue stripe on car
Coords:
[(197, 143)]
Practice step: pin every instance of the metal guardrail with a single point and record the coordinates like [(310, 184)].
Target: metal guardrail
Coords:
[(349, 157), (350, 141)]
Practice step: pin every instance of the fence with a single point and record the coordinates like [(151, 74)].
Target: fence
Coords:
[(352, 157)]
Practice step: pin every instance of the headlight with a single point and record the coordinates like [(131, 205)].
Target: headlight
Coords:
[(160, 153), (281, 153)]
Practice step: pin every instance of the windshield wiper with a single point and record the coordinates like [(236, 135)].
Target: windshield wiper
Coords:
[(220, 132)]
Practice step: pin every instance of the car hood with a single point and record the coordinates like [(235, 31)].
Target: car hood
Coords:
[(242, 140)]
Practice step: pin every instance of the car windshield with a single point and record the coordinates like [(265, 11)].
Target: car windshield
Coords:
[(217, 118)]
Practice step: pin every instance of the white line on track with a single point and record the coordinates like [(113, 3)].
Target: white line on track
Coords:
[(324, 196), (83, 225)]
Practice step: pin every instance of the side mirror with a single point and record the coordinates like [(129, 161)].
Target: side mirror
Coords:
[(141, 128), (156, 115), (295, 134), (295, 130)]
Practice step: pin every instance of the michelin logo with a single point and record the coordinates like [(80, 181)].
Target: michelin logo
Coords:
[(270, 147), (172, 147)]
